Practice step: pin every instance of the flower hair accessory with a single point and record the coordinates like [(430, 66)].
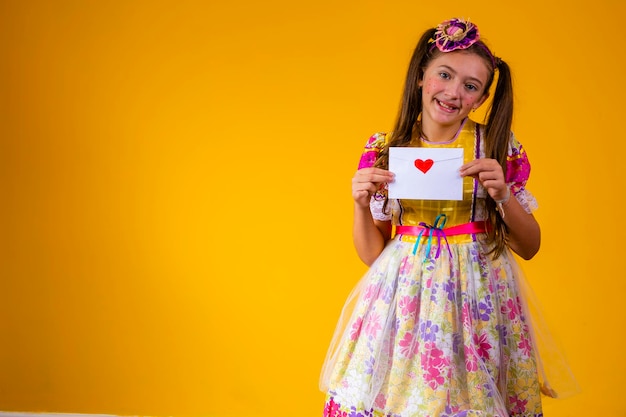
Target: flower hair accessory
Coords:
[(455, 34)]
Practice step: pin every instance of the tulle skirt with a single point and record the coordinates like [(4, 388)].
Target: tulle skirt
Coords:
[(447, 336)]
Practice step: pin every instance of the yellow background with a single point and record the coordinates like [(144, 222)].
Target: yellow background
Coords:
[(175, 192)]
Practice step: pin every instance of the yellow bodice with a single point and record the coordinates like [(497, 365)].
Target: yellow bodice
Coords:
[(412, 212)]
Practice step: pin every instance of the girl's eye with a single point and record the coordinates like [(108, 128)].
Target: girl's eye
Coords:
[(444, 75), (471, 87)]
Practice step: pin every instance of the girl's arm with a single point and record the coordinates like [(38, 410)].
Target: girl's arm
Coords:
[(524, 232), (369, 235)]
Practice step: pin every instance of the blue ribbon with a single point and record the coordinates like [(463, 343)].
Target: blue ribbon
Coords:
[(435, 229)]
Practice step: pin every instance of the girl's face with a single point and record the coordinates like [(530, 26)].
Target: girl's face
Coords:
[(452, 86)]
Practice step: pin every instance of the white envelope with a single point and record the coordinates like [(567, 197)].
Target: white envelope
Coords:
[(426, 173)]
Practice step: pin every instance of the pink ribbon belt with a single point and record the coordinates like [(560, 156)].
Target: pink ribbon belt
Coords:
[(437, 230), (461, 229)]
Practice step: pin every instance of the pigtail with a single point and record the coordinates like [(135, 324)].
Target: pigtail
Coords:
[(410, 105), (497, 136), (498, 128)]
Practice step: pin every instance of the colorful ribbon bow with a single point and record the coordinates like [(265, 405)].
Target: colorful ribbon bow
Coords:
[(435, 229)]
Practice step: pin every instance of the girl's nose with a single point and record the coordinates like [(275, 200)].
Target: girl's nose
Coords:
[(452, 90)]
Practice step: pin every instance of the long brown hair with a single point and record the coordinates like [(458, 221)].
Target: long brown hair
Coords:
[(497, 127)]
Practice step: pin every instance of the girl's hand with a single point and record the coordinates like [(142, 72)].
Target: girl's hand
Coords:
[(366, 182), (489, 174)]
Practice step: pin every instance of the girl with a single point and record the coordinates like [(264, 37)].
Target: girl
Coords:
[(438, 326)]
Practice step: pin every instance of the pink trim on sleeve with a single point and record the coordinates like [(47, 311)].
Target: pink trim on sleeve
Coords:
[(517, 174), (517, 167), (374, 145), (372, 148)]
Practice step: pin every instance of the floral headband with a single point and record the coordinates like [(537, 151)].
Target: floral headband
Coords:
[(456, 34)]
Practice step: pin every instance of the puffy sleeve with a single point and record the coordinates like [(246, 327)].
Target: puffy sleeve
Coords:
[(372, 149), (517, 174)]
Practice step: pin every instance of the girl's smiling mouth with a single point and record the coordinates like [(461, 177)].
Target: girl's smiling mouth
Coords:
[(445, 106)]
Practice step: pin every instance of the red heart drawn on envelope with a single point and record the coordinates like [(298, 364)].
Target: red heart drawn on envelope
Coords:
[(424, 166)]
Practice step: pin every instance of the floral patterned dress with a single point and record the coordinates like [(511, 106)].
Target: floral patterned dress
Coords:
[(434, 336)]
